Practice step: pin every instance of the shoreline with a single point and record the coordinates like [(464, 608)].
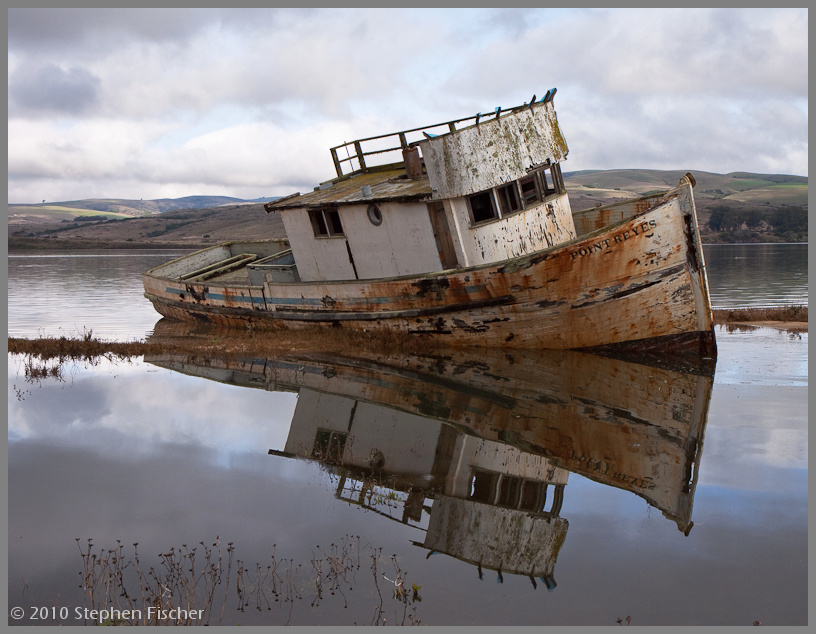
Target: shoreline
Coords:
[(86, 346), (791, 318), (790, 326)]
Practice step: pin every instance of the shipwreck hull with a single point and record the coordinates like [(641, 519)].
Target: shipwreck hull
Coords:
[(639, 283)]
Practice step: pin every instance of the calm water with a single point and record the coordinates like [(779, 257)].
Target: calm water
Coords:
[(317, 469), (757, 274), (70, 293)]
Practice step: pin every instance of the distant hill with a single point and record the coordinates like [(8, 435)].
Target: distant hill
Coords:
[(192, 228), (121, 207), (760, 207), (777, 189), (751, 206)]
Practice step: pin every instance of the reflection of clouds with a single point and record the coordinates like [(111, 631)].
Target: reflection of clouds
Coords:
[(122, 408), (756, 434), (765, 356)]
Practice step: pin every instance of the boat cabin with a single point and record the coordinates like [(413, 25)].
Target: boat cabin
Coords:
[(466, 192)]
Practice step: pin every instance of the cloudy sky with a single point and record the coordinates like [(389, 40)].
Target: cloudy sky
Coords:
[(153, 103)]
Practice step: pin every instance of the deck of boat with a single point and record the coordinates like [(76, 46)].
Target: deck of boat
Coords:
[(237, 277)]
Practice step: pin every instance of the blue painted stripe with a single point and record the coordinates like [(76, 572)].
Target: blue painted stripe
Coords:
[(306, 301)]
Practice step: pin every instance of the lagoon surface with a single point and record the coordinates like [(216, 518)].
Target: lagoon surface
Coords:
[(523, 489)]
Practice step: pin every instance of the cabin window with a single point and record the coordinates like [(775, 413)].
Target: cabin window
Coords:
[(515, 196), (508, 198), (547, 182), (551, 181), (482, 207), (335, 226), (529, 190), (329, 446), (483, 486), (326, 223)]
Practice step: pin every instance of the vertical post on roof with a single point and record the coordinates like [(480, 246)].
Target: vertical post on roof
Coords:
[(337, 167), (360, 158), (452, 126), (403, 141)]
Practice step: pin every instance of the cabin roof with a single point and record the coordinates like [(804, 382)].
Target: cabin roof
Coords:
[(387, 185)]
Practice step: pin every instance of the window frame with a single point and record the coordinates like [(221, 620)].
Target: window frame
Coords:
[(547, 181), (493, 208), (325, 222), (504, 193), (530, 178)]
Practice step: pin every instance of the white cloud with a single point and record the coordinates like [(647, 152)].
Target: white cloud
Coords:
[(129, 417), (247, 102)]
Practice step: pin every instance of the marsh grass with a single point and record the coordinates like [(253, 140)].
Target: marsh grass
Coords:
[(209, 578), (792, 314), (184, 578), (225, 344)]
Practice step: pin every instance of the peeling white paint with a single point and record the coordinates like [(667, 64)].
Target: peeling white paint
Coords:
[(498, 151)]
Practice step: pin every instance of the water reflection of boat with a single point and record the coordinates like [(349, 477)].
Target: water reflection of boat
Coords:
[(489, 439)]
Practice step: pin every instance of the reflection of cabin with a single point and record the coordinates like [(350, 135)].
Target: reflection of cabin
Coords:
[(482, 193), (494, 505)]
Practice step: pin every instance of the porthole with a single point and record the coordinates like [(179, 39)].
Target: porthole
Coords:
[(374, 215)]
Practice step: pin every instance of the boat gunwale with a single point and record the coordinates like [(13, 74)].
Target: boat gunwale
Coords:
[(220, 245)]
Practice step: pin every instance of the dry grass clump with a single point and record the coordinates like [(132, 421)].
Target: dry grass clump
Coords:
[(220, 342), (83, 347), (792, 314), (203, 585)]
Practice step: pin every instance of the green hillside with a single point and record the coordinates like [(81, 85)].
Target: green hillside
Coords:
[(59, 212), (122, 207), (743, 187)]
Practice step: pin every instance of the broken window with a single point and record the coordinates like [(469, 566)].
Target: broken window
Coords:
[(547, 182), (529, 190), (551, 181), (483, 486), (509, 491), (326, 222), (520, 194), (482, 207), (508, 198)]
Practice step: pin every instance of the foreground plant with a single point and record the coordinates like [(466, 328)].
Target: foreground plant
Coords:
[(181, 590), (193, 586)]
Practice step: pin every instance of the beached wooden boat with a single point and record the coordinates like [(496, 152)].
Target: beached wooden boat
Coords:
[(472, 243)]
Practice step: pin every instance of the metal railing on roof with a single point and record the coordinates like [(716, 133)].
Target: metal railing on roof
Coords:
[(356, 153)]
